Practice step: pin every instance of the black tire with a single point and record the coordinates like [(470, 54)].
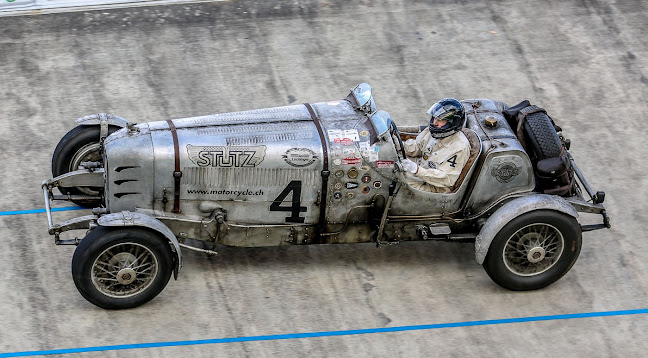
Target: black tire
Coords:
[(552, 238), (81, 144), (102, 271), (542, 135)]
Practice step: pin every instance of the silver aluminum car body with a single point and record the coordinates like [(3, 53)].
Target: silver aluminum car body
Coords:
[(263, 178)]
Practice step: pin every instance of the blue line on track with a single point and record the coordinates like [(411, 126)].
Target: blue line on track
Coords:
[(38, 211), (325, 333)]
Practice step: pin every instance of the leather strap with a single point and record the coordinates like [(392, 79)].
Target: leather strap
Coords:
[(325, 168), (177, 174)]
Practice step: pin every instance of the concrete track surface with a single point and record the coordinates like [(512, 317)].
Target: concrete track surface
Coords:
[(586, 62)]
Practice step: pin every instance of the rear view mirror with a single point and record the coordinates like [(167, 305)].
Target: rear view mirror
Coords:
[(363, 96), (381, 122)]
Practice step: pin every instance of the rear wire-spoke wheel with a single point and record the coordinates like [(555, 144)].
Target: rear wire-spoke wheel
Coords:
[(117, 268), (534, 250)]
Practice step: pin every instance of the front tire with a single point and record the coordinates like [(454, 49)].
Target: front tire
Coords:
[(534, 250), (117, 268), (81, 144)]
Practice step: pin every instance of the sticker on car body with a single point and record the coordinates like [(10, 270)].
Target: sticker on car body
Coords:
[(384, 164), (299, 157), (343, 136), (351, 161)]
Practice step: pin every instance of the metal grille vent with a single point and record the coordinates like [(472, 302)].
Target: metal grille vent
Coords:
[(234, 177), (257, 128), (259, 115), (260, 139)]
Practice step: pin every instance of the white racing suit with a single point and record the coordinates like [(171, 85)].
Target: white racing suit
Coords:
[(440, 161)]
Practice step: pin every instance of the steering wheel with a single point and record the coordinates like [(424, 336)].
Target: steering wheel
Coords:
[(400, 140)]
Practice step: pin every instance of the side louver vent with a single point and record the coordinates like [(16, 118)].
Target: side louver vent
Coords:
[(119, 195), (122, 181), (119, 169)]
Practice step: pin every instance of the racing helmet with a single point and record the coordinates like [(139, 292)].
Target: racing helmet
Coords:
[(448, 109)]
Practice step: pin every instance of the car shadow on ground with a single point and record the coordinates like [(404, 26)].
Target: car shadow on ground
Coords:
[(410, 253)]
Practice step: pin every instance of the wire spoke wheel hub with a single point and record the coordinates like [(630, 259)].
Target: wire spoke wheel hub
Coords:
[(88, 153), (124, 270), (533, 249)]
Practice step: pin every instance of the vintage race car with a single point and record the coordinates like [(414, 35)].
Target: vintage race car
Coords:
[(322, 173)]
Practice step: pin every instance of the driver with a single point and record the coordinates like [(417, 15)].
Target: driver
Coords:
[(440, 151)]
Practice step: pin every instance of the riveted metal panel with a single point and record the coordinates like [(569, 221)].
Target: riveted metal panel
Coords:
[(258, 236), (503, 172), (247, 193), (505, 166), (242, 167), (129, 163), (361, 164)]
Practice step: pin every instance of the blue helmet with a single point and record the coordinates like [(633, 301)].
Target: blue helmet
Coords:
[(448, 109)]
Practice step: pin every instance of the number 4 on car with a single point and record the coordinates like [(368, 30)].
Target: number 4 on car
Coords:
[(295, 208), (321, 173)]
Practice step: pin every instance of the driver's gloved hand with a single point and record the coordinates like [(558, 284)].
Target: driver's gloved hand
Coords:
[(409, 166)]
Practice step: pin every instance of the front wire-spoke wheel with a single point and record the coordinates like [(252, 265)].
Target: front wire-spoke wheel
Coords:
[(534, 250), (125, 267), (90, 152), (81, 144)]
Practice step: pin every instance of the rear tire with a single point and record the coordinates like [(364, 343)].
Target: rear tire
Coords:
[(117, 268), (81, 144), (534, 250)]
